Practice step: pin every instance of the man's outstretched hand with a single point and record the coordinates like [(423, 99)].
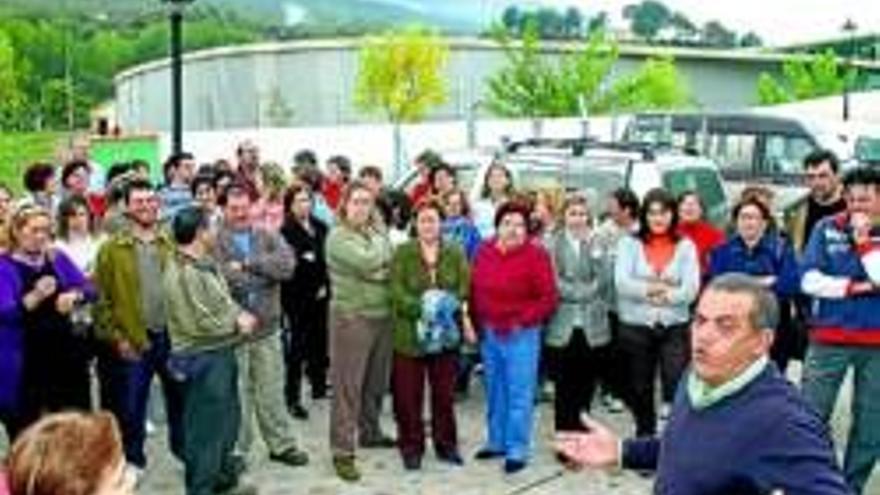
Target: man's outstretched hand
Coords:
[(598, 447)]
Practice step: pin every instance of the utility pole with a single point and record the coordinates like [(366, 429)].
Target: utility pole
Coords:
[(175, 17)]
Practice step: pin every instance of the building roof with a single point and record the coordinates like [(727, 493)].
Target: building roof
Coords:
[(462, 43)]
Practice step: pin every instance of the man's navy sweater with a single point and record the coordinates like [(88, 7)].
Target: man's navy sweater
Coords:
[(762, 438)]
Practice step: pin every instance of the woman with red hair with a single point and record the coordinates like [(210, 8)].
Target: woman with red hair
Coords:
[(69, 454)]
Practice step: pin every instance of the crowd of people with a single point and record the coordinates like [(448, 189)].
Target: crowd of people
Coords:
[(234, 283)]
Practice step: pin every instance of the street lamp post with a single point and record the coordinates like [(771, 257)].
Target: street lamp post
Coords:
[(175, 17), (849, 27)]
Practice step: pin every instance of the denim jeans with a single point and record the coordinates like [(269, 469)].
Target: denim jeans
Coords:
[(510, 371), (824, 371), (125, 391), (211, 417)]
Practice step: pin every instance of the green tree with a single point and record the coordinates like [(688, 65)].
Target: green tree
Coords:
[(530, 86), (751, 39), (657, 85), (401, 76), (599, 22), (806, 77), (12, 101), (647, 18), (511, 19), (716, 35), (573, 22), (771, 91)]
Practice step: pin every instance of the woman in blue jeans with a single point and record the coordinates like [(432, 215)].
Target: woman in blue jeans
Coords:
[(513, 290)]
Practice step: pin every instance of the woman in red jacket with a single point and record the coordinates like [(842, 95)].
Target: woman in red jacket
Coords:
[(513, 292), (693, 225)]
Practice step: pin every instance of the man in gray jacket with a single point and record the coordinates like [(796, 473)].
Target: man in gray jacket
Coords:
[(254, 263)]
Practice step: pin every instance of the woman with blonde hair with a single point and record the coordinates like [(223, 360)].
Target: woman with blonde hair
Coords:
[(43, 355), (361, 339), (70, 454)]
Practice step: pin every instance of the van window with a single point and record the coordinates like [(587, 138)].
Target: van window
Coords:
[(708, 185), (868, 150), (735, 153), (785, 154)]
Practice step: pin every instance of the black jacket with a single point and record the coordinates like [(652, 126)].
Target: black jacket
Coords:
[(310, 275)]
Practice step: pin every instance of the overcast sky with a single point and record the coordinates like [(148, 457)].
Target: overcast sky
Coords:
[(777, 21)]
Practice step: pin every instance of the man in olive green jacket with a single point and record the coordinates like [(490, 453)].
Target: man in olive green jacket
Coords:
[(206, 326), (130, 319)]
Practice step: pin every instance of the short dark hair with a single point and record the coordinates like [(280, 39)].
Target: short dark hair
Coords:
[(292, 191), (173, 162), (187, 223), (627, 200), (342, 163), (665, 199), (202, 179), (66, 209), (305, 157), (751, 201), (862, 176), (440, 167), (233, 189), (764, 313), (223, 176), (817, 157), (370, 171), (692, 193), (118, 169), (37, 177), (136, 185), (429, 157), (72, 167), (514, 207)]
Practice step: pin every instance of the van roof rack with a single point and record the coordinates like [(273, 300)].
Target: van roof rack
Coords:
[(579, 146)]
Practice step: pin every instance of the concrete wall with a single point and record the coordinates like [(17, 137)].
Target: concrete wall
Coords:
[(312, 83)]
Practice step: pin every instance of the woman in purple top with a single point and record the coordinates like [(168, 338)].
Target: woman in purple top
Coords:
[(43, 355)]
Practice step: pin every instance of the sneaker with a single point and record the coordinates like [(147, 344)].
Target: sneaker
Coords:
[(299, 412), (511, 466), (346, 469), (292, 457), (232, 471), (452, 457), (486, 454), (664, 411), (380, 442)]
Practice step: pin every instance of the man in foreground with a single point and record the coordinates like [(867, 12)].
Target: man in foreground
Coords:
[(737, 426)]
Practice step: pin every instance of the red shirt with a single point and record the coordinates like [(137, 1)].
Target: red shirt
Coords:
[(514, 289), (421, 190), (705, 237), (332, 191)]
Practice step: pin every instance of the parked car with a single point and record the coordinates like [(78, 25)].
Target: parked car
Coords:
[(593, 168)]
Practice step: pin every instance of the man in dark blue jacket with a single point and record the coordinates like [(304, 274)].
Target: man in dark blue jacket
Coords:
[(841, 272), (737, 426)]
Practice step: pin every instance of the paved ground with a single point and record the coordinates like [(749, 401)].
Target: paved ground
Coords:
[(383, 474)]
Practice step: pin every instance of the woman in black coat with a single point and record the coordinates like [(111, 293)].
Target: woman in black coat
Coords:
[(305, 298)]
